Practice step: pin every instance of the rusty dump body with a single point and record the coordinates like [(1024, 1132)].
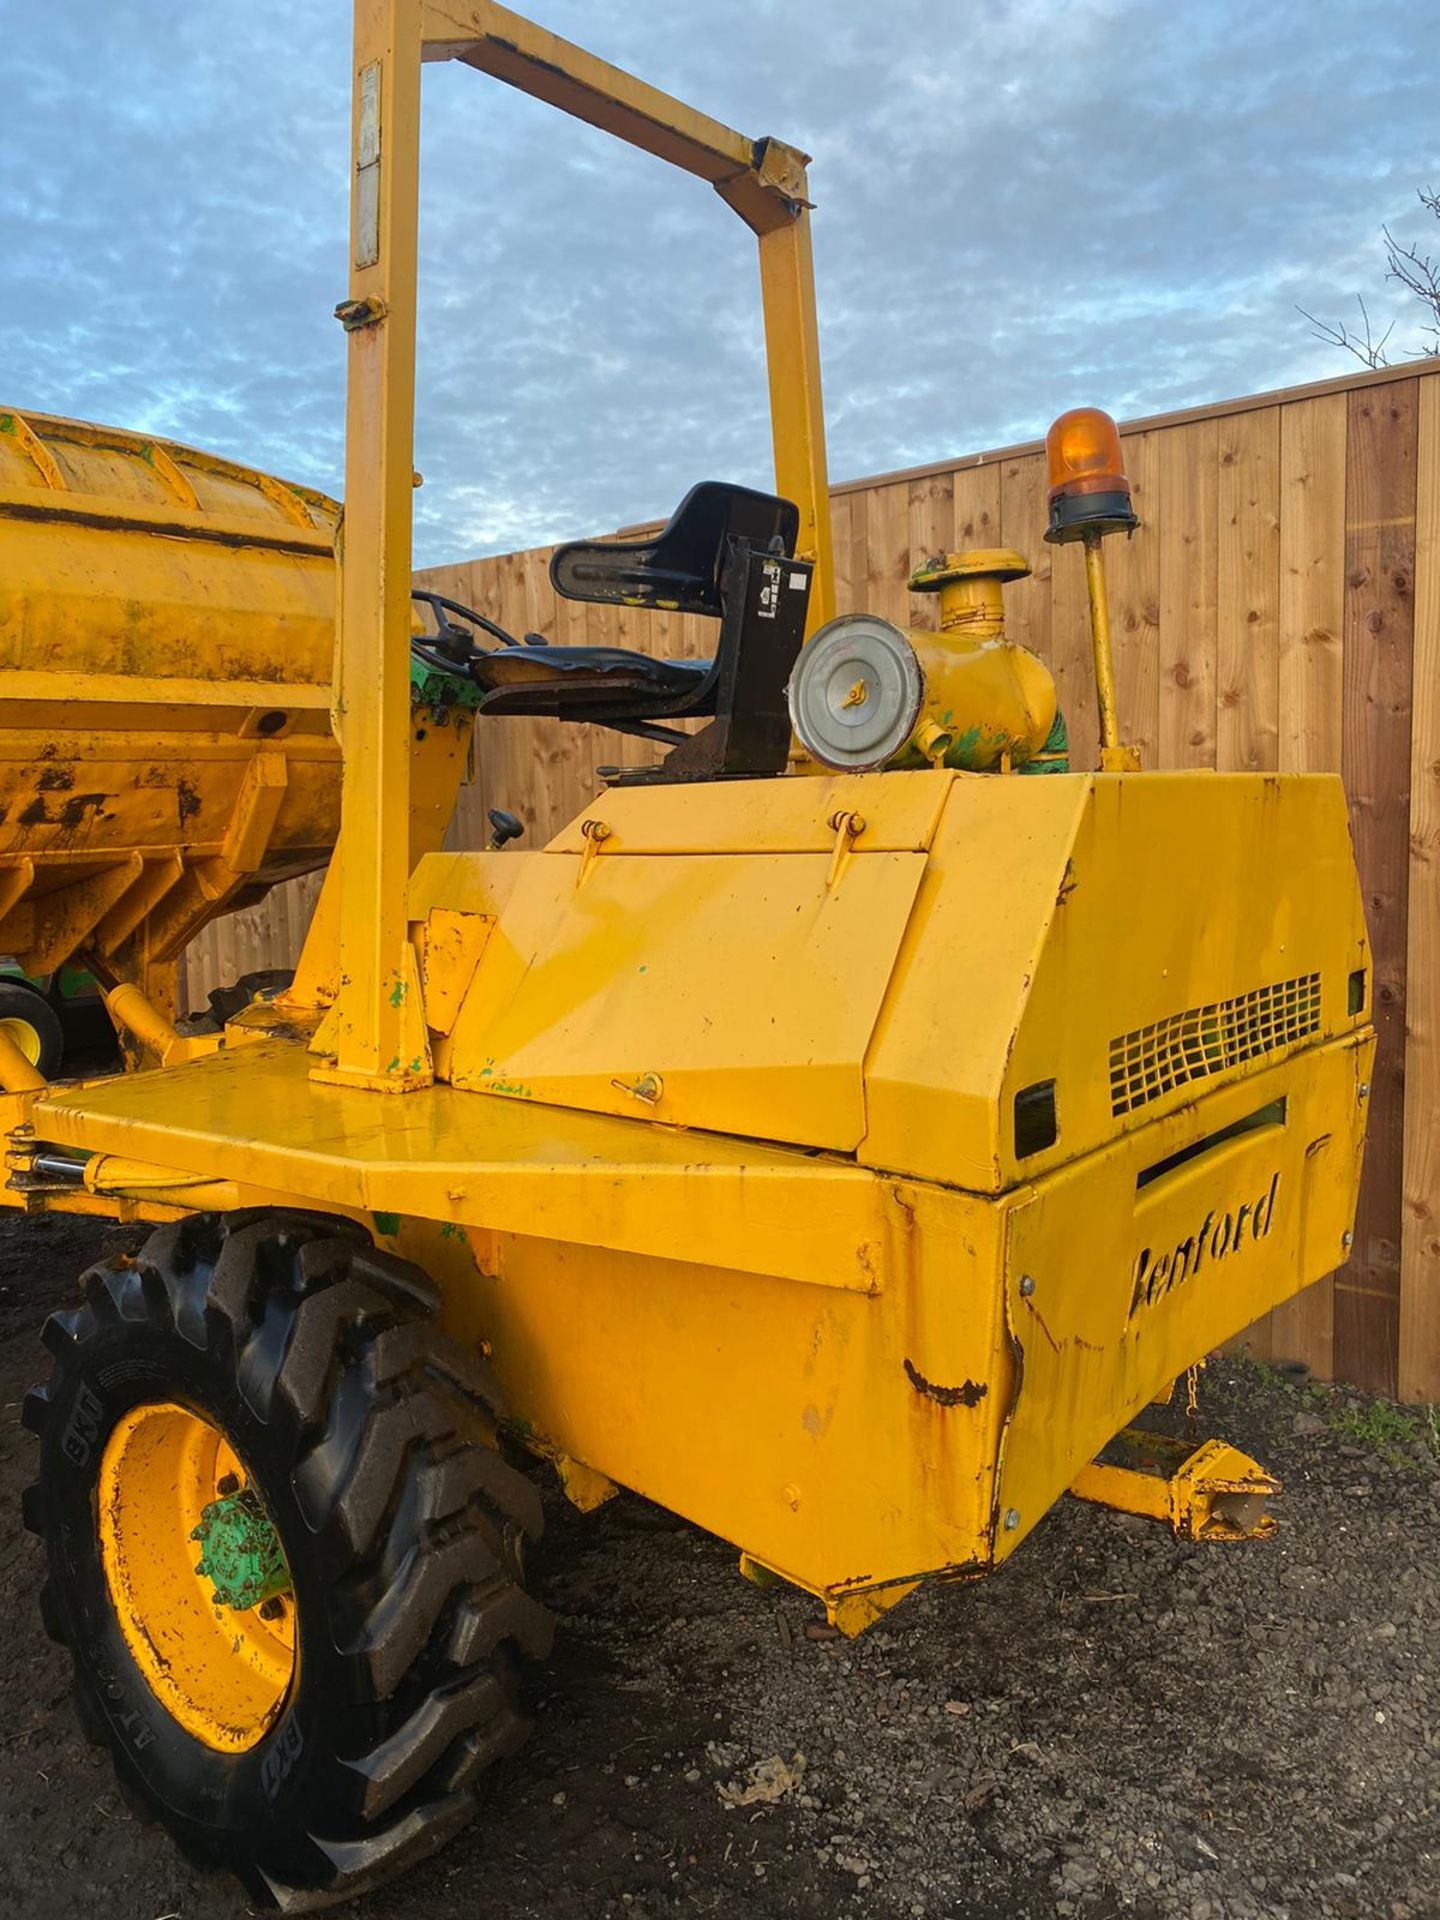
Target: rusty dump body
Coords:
[(166, 652)]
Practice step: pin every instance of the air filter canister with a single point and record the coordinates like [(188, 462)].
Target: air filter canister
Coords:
[(855, 693)]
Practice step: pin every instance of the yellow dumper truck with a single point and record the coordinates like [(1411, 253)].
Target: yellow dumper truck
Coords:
[(838, 1133)]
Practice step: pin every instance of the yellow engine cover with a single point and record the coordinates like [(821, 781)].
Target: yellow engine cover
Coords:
[(704, 949), (1129, 942), (923, 992)]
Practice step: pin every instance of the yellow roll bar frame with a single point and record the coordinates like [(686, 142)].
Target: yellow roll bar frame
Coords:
[(378, 1030)]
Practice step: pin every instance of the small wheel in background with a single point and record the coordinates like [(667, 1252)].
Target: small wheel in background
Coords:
[(28, 1018)]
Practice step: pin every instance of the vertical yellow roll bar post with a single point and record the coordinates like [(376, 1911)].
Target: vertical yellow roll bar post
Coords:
[(377, 1030), (377, 1007)]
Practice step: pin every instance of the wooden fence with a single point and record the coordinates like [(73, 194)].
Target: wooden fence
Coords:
[(1278, 609)]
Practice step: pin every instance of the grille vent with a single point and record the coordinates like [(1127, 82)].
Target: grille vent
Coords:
[(1152, 1061)]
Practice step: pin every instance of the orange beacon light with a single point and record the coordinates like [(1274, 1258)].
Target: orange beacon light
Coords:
[(1090, 497), (1089, 493)]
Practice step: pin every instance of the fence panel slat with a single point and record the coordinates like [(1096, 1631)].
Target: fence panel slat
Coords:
[(1312, 618), (1419, 1329), (1189, 584), (932, 535), (1379, 645), (976, 496), (885, 532), (1134, 583), (1022, 526), (1247, 719), (1072, 658)]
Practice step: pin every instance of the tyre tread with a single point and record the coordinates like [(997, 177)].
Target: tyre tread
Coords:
[(393, 1429)]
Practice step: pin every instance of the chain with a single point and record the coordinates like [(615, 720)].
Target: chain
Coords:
[(1192, 1390)]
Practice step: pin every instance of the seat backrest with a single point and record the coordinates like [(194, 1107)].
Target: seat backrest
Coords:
[(680, 567)]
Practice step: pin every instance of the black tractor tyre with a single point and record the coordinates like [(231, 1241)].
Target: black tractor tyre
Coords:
[(33, 1024), (371, 1438)]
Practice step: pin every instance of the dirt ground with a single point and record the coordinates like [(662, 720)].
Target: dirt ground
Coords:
[(1117, 1725)]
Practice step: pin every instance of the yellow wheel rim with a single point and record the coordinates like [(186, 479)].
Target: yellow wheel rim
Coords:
[(26, 1037), (223, 1674)]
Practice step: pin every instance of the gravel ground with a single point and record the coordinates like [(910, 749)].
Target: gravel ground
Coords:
[(1118, 1724)]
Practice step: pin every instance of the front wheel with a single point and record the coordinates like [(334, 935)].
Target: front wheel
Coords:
[(283, 1550)]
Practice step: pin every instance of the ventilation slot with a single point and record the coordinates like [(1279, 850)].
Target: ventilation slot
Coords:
[(1154, 1060)]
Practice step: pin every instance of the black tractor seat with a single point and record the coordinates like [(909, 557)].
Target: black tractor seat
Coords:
[(561, 681), (726, 554), (681, 569)]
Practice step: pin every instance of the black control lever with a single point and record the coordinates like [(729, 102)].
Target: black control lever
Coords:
[(503, 827)]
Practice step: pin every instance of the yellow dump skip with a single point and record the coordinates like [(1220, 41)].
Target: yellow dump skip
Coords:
[(166, 640)]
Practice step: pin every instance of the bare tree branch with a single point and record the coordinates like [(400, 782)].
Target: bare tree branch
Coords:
[(1410, 268), (1417, 272), (1369, 351)]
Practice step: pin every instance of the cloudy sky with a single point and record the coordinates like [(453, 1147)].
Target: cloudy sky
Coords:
[(1021, 205)]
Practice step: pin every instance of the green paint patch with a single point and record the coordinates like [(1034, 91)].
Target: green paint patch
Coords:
[(498, 1084), (387, 1225), (451, 1230), (432, 688), (1054, 756), (240, 1553), (962, 750), (398, 993)]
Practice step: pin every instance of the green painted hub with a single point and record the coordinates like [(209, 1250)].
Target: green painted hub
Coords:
[(432, 686), (240, 1552)]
